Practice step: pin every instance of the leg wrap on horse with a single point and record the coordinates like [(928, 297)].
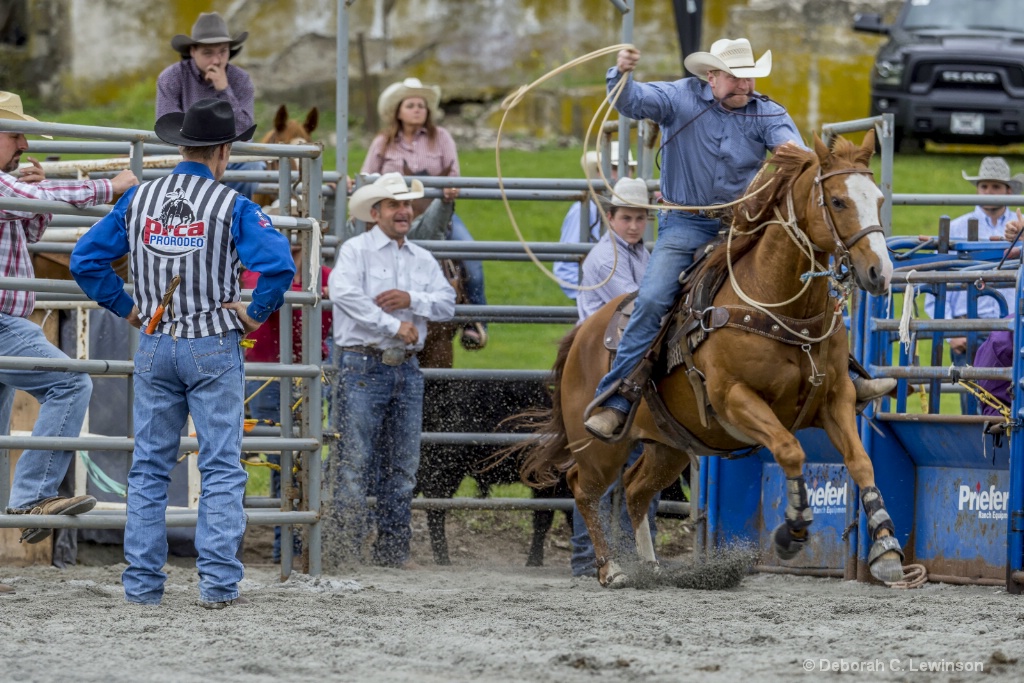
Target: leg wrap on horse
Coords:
[(790, 537), (878, 519)]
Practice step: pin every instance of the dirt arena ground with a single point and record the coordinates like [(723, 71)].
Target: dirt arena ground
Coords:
[(488, 618)]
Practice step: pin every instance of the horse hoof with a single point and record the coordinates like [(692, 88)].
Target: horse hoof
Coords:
[(888, 569), (786, 545), (531, 562), (613, 576)]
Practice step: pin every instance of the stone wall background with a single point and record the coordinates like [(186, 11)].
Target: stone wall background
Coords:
[(91, 51)]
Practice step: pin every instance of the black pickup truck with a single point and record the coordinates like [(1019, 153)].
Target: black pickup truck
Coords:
[(951, 71)]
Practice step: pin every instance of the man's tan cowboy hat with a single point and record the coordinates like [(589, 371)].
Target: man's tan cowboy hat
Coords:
[(11, 109), (209, 29), (388, 186), (591, 160), (996, 168), (396, 93), (734, 57), (630, 192), (207, 123)]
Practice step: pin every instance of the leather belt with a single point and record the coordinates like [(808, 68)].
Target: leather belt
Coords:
[(393, 356)]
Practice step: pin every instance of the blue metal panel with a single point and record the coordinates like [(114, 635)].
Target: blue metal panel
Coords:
[(962, 517), (894, 477), (739, 518), (829, 495), (940, 444)]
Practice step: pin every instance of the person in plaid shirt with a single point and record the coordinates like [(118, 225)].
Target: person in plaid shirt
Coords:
[(63, 396)]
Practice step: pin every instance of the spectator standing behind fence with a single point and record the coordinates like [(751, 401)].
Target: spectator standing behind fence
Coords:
[(63, 395), (204, 71), (625, 238), (192, 364), (414, 145), (569, 271), (384, 290), (265, 401), (994, 223)]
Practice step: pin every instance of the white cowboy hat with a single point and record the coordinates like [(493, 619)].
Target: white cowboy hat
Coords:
[(734, 57), (591, 160), (630, 192), (396, 93), (995, 168), (388, 186), (11, 109)]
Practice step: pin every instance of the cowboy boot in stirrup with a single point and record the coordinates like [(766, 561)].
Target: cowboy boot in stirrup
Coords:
[(870, 389), (605, 423)]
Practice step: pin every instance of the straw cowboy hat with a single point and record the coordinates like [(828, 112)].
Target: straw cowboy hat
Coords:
[(734, 57), (11, 109), (206, 123), (388, 186), (394, 94), (591, 160), (996, 168), (209, 29), (630, 192)]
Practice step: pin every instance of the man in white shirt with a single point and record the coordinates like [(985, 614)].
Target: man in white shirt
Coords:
[(993, 178), (384, 290)]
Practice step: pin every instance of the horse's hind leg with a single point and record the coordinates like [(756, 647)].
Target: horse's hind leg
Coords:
[(885, 559), (542, 520), (748, 411)]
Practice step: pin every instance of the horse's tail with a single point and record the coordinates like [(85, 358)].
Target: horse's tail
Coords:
[(545, 455)]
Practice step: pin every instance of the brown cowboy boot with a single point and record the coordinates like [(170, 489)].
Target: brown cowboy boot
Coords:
[(605, 423), (53, 506)]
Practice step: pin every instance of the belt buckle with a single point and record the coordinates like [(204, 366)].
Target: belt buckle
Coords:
[(393, 356)]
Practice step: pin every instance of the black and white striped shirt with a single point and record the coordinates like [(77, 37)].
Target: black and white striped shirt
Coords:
[(181, 225)]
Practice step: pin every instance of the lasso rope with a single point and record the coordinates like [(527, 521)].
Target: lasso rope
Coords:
[(607, 105)]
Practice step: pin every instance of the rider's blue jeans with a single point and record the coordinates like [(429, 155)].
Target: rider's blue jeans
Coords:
[(680, 235)]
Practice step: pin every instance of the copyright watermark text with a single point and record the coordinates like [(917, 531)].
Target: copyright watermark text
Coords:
[(909, 665)]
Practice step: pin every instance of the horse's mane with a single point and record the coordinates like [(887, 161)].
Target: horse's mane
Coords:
[(777, 177)]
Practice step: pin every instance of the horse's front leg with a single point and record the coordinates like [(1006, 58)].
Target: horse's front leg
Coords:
[(837, 417), (747, 410)]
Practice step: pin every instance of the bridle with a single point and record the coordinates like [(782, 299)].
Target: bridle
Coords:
[(842, 247)]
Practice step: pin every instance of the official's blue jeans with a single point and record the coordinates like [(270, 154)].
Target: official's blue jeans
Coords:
[(378, 410), (582, 561), (680, 234), (247, 189), (474, 269), (174, 378), (63, 399)]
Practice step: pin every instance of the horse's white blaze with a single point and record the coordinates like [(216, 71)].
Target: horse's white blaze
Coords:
[(865, 195)]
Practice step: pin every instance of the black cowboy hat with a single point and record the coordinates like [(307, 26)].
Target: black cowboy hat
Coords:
[(209, 29), (206, 123)]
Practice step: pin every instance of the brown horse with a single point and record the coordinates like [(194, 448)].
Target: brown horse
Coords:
[(760, 390), (289, 132)]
